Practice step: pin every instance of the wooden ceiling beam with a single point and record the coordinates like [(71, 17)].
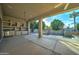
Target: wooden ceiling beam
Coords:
[(58, 5), (66, 6)]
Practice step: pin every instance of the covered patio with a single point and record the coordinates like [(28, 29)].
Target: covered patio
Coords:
[(15, 31)]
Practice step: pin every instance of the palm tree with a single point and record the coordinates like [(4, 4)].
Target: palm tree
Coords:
[(74, 15)]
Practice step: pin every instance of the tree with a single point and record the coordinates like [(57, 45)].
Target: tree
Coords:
[(74, 15), (78, 26), (57, 24), (44, 25), (36, 24)]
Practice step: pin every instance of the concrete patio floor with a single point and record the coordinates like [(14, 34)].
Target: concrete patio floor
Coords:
[(32, 45), (51, 42)]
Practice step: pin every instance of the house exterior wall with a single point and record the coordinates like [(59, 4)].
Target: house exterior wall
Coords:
[(1, 30)]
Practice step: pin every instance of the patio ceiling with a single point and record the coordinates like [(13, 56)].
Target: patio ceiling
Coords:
[(31, 10)]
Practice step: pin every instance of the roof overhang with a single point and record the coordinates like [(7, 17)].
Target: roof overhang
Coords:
[(29, 11)]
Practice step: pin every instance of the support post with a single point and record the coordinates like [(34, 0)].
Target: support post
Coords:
[(40, 28), (28, 28)]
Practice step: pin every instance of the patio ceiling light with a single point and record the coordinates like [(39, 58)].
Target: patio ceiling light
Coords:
[(24, 15)]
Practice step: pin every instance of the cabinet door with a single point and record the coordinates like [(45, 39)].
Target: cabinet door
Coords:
[(0, 29)]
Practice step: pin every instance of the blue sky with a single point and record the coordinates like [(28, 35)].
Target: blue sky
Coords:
[(63, 17)]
